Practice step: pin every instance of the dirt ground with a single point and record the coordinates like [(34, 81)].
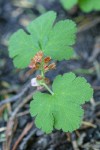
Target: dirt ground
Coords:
[(17, 128)]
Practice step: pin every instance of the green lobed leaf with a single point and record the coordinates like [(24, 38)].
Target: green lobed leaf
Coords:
[(89, 5), (63, 109), (85, 5), (23, 46), (54, 41), (68, 4), (60, 40)]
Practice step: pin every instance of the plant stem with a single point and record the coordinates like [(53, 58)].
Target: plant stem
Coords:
[(47, 88), (42, 70), (43, 75)]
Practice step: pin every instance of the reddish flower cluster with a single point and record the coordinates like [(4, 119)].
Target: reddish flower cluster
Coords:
[(36, 61), (46, 80)]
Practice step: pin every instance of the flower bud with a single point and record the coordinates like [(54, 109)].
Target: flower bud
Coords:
[(35, 60), (46, 68), (39, 77), (38, 57), (47, 59), (52, 66), (47, 81)]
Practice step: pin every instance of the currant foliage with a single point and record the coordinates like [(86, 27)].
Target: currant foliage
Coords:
[(68, 4), (85, 5), (63, 109), (54, 40), (89, 5)]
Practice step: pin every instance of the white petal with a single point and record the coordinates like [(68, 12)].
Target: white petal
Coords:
[(34, 82)]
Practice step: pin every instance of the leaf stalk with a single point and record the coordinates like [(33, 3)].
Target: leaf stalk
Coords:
[(43, 75), (47, 88)]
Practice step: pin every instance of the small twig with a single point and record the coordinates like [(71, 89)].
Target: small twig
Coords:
[(2, 109), (96, 50), (68, 137), (6, 91), (25, 131), (26, 100), (16, 97), (97, 68), (88, 25), (77, 133), (93, 103), (97, 103), (96, 87), (23, 113), (74, 142), (2, 129), (27, 138), (89, 124), (12, 119)]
